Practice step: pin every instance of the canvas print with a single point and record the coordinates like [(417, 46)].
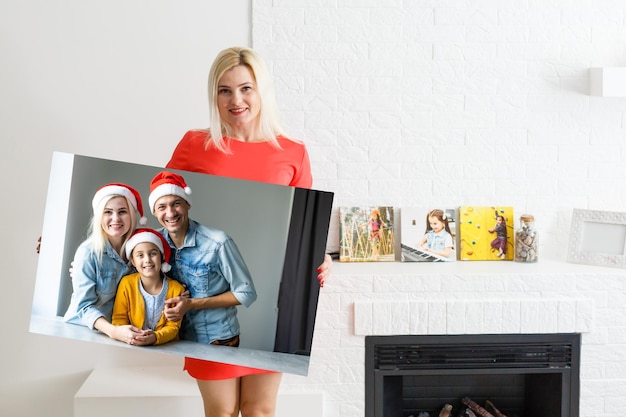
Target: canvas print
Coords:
[(428, 234), (486, 233), (275, 329), (366, 234)]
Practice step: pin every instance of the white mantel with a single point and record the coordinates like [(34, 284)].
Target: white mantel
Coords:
[(468, 297)]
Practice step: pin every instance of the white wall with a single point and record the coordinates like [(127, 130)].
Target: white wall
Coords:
[(453, 102), (121, 80), (420, 102), (448, 103)]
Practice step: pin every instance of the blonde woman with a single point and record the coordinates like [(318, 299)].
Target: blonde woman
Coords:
[(100, 262), (245, 141)]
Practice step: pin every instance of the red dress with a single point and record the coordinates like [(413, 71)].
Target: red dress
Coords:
[(255, 161)]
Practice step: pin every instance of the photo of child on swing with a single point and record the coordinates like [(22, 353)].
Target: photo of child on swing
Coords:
[(366, 234)]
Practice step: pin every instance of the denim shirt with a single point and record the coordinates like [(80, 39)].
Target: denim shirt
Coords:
[(208, 264), (94, 284), (438, 241)]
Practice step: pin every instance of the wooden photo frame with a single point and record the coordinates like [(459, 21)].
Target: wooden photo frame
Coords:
[(598, 238)]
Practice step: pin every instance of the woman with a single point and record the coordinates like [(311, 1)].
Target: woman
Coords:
[(100, 263), (245, 141)]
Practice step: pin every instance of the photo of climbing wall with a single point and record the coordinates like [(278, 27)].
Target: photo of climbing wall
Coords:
[(366, 234), (486, 233)]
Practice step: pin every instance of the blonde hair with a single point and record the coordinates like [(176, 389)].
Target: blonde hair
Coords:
[(269, 126), (98, 236)]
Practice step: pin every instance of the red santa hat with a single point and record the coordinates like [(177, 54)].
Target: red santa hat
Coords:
[(143, 235), (106, 192), (168, 183)]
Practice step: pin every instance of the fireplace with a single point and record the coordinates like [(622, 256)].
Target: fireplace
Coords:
[(522, 375)]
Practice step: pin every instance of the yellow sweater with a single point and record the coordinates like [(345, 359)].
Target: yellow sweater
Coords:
[(130, 308)]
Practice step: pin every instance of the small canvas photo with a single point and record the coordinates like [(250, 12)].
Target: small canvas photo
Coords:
[(428, 234), (486, 233), (366, 234)]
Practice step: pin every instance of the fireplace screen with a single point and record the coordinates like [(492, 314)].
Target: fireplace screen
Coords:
[(514, 375)]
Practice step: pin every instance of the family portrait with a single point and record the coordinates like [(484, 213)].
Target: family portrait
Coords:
[(261, 244)]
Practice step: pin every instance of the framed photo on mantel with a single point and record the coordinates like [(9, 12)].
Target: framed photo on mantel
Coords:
[(598, 238), (486, 233), (428, 234), (366, 234)]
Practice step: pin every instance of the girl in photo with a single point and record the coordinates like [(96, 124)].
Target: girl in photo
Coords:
[(499, 242), (376, 226), (438, 237), (141, 296)]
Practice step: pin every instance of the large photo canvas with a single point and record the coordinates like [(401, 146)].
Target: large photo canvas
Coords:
[(280, 231)]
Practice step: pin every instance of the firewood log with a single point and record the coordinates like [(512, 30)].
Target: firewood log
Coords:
[(493, 408), (446, 411), (469, 413), (476, 408)]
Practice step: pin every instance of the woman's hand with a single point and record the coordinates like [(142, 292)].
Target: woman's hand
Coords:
[(125, 333), (323, 271)]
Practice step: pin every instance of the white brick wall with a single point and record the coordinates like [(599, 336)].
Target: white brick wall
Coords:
[(454, 102), (467, 298), (448, 103)]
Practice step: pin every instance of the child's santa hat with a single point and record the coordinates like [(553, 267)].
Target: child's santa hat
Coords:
[(143, 235), (168, 183), (106, 192)]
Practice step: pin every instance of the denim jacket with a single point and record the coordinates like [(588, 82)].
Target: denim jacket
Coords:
[(208, 264), (94, 284)]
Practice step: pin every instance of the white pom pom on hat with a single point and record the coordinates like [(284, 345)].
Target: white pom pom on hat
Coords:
[(143, 235), (168, 183), (118, 189)]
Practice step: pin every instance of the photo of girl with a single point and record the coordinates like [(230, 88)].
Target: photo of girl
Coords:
[(477, 227), (141, 295), (430, 240), (366, 234)]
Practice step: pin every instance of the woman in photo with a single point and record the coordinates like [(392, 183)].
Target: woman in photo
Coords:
[(100, 261)]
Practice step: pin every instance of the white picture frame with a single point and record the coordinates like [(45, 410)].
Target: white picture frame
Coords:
[(598, 238)]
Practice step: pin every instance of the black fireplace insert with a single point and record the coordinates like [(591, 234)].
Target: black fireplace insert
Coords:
[(522, 375)]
